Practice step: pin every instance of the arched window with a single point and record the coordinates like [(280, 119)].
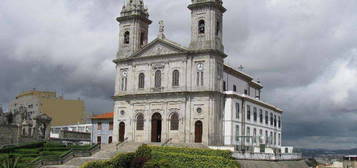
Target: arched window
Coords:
[(255, 115), (141, 81), (126, 37), (140, 122), (174, 121), (175, 78), (142, 38), (201, 27), (158, 79)]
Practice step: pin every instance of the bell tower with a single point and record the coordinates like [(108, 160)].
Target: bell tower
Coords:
[(206, 26), (134, 27)]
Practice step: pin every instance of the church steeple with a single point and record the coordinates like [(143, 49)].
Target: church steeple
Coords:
[(134, 27), (207, 24)]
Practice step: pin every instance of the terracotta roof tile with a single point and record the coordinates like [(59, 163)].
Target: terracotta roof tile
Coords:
[(104, 116)]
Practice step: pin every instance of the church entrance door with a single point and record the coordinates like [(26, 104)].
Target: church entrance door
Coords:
[(156, 127), (198, 132), (121, 132)]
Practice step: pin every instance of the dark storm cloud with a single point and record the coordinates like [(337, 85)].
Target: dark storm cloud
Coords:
[(304, 52)]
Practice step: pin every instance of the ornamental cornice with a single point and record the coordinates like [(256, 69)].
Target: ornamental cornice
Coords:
[(207, 4), (151, 95)]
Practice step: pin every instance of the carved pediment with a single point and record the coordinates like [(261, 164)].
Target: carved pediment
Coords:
[(160, 47)]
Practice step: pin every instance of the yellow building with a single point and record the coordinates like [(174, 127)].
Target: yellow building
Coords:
[(62, 112)]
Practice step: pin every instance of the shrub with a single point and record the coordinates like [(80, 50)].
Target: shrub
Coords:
[(194, 151), (98, 164), (123, 160), (142, 155), (158, 164), (181, 160)]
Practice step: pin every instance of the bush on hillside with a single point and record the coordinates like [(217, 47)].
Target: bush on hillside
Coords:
[(193, 151)]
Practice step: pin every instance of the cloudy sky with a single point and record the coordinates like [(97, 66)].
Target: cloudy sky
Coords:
[(304, 51)]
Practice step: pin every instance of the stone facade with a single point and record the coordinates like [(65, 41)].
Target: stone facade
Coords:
[(164, 91)]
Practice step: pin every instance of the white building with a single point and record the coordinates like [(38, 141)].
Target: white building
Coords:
[(83, 128), (167, 92)]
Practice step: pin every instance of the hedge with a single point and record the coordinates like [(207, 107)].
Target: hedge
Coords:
[(193, 151), (167, 157), (181, 160)]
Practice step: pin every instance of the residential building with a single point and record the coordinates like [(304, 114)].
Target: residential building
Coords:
[(102, 132), (50, 104)]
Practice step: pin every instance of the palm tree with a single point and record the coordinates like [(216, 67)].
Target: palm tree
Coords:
[(10, 162)]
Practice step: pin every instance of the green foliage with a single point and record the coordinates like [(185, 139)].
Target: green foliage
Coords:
[(182, 160), (144, 151), (123, 160), (10, 162), (193, 151), (98, 164), (169, 157), (158, 164)]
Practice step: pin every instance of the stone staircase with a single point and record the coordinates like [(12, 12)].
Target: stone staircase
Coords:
[(106, 152)]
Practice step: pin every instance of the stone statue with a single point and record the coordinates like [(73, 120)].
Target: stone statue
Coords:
[(161, 29)]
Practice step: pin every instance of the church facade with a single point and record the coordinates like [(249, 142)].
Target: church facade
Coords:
[(168, 92)]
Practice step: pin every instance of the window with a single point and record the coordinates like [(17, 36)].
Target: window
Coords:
[(158, 79), (110, 125), (237, 110), (140, 122), (279, 122), (255, 114), (279, 139), (271, 138), (174, 121), (124, 81), (266, 137), (245, 91), (99, 126), (201, 27), (142, 38), (237, 133), (266, 117), (255, 135), (248, 134), (248, 112), (260, 136), (200, 78), (175, 78), (234, 88), (261, 116), (274, 138), (218, 28), (110, 139), (141, 81), (275, 121), (224, 86), (271, 119), (99, 140), (126, 37)]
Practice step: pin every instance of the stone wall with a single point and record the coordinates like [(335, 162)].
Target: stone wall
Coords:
[(8, 134)]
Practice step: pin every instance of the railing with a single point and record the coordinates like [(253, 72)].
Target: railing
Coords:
[(166, 142), (59, 160), (267, 156), (121, 143)]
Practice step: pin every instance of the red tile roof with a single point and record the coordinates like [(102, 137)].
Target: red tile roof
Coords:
[(104, 116)]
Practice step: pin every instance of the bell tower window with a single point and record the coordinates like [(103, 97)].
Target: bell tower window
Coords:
[(201, 27), (126, 37), (142, 38), (218, 28)]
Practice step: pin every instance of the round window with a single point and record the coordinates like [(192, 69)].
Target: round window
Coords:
[(122, 112), (199, 110)]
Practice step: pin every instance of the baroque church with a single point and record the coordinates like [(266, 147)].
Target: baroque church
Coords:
[(166, 92)]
